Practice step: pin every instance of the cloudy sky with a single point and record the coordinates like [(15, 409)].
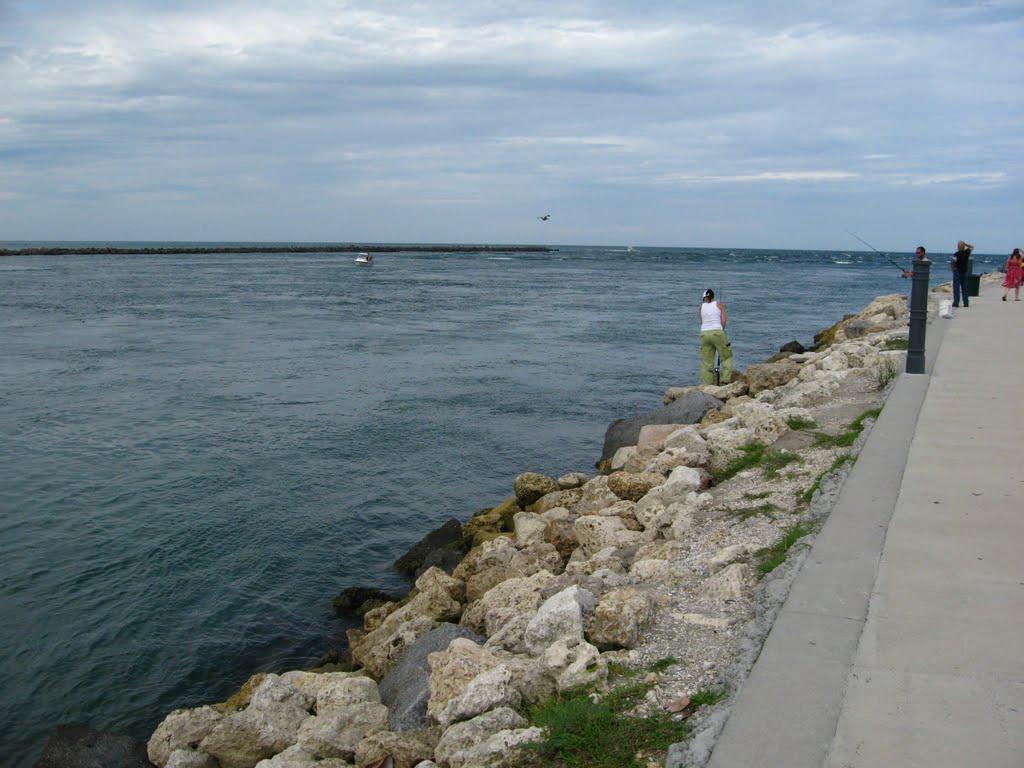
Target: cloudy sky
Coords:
[(714, 123)]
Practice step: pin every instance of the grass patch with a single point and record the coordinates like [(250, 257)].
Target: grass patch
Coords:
[(756, 496), (885, 372), (708, 697), (773, 461), (580, 732), (744, 513), (891, 344), (756, 455), (800, 423), (771, 558), (849, 436), (807, 495), (662, 664)]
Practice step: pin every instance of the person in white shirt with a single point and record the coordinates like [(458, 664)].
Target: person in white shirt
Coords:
[(713, 321)]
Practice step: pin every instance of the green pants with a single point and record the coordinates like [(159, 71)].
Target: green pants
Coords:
[(711, 342)]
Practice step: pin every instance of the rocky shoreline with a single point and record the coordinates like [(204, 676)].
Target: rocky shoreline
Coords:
[(664, 571)]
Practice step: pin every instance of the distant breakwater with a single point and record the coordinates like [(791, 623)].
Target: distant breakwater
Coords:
[(311, 248)]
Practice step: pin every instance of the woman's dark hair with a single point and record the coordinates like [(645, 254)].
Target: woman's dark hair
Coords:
[(709, 294), (1016, 252)]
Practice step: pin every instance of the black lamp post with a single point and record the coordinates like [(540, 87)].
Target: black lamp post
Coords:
[(918, 315)]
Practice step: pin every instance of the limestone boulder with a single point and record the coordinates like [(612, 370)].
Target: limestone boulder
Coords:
[(572, 480), (770, 375), (530, 528), (405, 690), (311, 683), (597, 532), (338, 733), (619, 618), (573, 665), (625, 511), (728, 584), (436, 581), (621, 457), (490, 523), (676, 490), (565, 498), (457, 741), (725, 392), (560, 617), (633, 487), (519, 596), (596, 495), (452, 670), (530, 486), (687, 409), (181, 729), (725, 443), (242, 739), (190, 758), (489, 690), (653, 435), (345, 693), (407, 749), (296, 757), (499, 750), (559, 532), (378, 651)]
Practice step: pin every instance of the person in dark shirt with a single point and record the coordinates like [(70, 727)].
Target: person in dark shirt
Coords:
[(959, 266)]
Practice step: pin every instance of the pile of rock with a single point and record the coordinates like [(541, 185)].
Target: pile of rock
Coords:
[(560, 579)]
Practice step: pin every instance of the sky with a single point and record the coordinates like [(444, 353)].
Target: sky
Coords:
[(728, 124)]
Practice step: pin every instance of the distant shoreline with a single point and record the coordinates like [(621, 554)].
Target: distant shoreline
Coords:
[(143, 250)]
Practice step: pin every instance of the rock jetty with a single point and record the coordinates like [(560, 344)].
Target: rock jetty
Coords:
[(672, 558)]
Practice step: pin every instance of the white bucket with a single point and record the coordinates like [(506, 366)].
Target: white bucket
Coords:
[(946, 309)]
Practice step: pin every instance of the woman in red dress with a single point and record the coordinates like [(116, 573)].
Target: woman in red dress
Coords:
[(1013, 275)]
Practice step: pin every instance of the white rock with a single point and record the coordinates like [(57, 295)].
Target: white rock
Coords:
[(725, 442), (295, 757), (728, 584), (459, 739), (338, 733), (727, 555), (618, 618), (597, 532), (572, 480), (529, 528), (181, 729), (574, 665), (488, 690), (650, 569), (622, 456), (559, 618), (244, 738), (311, 683), (273, 691), (498, 750), (341, 694), (596, 496)]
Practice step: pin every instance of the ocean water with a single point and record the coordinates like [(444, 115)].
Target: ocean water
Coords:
[(198, 452)]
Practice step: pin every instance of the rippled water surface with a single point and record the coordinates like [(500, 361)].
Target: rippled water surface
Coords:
[(198, 452)]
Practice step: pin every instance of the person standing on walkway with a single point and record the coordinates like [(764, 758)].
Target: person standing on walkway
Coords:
[(1013, 275), (959, 265), (713, 321)]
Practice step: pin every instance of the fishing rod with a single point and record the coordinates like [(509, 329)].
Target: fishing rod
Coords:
[(869, 245)]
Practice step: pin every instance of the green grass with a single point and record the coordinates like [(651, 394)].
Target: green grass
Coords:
[(771, 558), (848, 436), (580, 732), (743, 513), (756, 496), (885, 372), (773, 461), (800, 423), (891, 344), (708, 697), (808, 494), (756, 455)]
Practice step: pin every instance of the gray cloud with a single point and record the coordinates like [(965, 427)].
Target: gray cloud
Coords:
[(737, 124)]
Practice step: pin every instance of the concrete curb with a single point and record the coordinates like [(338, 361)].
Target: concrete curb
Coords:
[(787, 711)]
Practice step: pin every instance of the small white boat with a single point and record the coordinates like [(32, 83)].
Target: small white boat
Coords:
[(365, 259)]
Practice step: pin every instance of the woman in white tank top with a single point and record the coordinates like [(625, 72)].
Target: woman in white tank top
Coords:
[(713, 321)]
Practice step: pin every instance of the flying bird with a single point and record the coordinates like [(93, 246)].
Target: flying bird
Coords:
[(545, 217)]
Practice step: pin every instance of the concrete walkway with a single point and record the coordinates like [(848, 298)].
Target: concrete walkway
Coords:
[(902, 640)]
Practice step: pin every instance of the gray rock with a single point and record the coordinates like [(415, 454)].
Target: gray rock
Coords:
[(358, 600), (441, 544), (406, 688), (76, 746), (688, 409), (793, 346)]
